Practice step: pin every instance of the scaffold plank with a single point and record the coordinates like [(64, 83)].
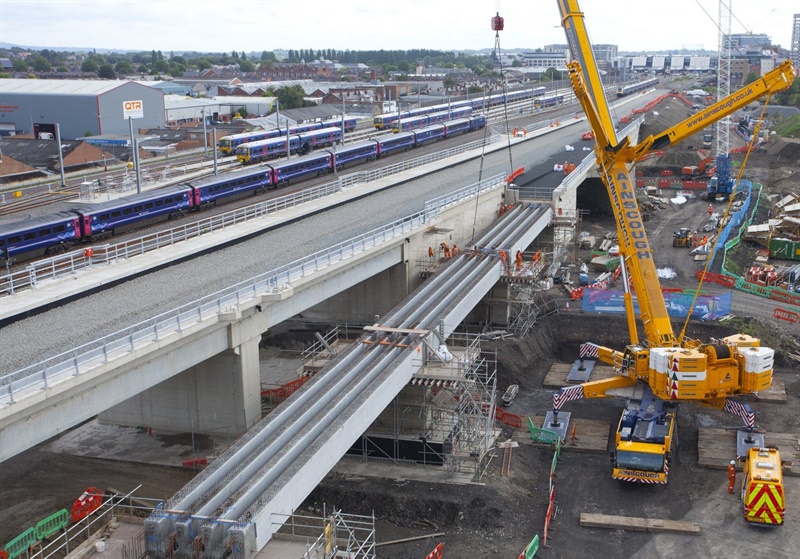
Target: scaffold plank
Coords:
[(637, 524)]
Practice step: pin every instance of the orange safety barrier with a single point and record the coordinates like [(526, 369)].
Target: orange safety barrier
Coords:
[(787, 315), (437, 553), (3, 554), (510, 419), (549, 514), (576, 293), (287, 389), (88, 253), (86, 504), (195, 463), (671, 290), (515, 174), (782, 297)]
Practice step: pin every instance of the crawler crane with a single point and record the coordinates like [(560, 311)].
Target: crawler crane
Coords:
[(661, 369)]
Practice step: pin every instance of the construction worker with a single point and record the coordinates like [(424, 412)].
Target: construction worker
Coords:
[(537, 256), (503, 255), (518, 258), (446, 250), (731, 475), (455, 250), (694, 239), (430, 252), (710, 210)]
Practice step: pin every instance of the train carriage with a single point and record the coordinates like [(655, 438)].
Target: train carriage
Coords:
[(208, 191), (266, 149), (410, 123), (353, 153), (548, 101), (456, 127), (315, 164), (117, 216), (385, 120), (395, 142), (228, 144), (30, 238), (349, 123), (428, 134), (318, 139)]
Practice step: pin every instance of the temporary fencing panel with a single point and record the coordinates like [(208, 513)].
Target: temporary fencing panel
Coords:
[(437, 553), (737, 218), (531, 550), (788, 316), (21, 543), (542, 435), (86, 504), (52, 524)]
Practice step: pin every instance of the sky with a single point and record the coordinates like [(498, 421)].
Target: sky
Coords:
[(257, 25)]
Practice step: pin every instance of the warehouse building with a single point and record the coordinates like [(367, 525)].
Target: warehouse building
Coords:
[(80, 107)]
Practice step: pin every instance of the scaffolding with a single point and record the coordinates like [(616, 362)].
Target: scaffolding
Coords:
[(445, 416), (334, 534)]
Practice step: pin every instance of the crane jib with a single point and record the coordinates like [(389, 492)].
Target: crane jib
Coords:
[(631, 225)]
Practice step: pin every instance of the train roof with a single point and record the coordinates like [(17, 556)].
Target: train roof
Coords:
[(132, 199), (34, 222), (231, 175), (295, 160), (354, 145)]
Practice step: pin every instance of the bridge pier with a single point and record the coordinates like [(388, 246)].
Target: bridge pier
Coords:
[(221, 395)]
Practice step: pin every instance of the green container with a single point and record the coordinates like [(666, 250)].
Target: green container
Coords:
[(784, 249)]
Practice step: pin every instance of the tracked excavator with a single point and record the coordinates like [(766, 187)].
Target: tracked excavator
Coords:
[(660, 370)]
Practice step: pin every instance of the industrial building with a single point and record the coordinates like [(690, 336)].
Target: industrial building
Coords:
[(80, 107)]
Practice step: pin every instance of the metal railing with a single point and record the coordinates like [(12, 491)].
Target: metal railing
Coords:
[(113, 346), (70, 263)]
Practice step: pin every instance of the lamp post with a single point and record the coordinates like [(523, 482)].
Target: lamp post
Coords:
[(60, 155), (205, 133)]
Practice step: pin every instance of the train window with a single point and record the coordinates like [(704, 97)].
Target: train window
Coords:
[(2, 242), (148, 206), (29, 236), (137, 208), (59, 228), (44, 232), (116, 213), (160, 203), (14, 239), (127, 211)]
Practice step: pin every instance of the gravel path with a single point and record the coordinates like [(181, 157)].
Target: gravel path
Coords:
[(50, 333)]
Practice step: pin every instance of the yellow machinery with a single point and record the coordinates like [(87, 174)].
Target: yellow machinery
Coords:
[(671, 368), (762, 487)]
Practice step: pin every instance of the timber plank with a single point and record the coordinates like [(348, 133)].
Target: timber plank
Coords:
[(638, 524), (591, 435), (717, 447)]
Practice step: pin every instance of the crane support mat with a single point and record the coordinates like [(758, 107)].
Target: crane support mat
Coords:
[(580, 371), (557, 375), (717, 447), (591, 435), (591, 520)]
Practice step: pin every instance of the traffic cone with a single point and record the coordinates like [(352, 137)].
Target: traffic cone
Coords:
[(567, 307)]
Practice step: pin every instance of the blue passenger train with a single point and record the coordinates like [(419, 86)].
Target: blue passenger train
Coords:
[(30, 238)]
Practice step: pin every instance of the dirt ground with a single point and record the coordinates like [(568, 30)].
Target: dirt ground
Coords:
[(500, 516)]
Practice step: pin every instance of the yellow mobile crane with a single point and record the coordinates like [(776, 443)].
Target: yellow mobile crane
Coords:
[(662, 367)]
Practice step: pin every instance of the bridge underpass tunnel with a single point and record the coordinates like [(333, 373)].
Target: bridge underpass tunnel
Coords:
[(220, 396)]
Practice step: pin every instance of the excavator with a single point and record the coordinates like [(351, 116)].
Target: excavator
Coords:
[(661, 370)]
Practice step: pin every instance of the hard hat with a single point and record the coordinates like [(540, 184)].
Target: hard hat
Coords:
[(733, 462)]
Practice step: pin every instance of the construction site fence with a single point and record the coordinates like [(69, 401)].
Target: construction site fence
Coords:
[(739, 219), (732, 279), (531, 549), (706, 307), (63, 521)]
